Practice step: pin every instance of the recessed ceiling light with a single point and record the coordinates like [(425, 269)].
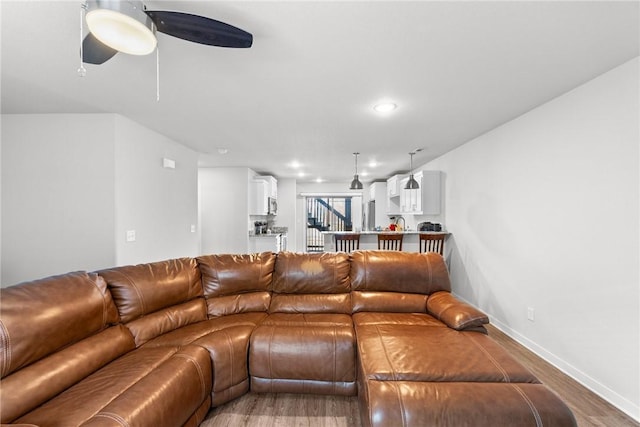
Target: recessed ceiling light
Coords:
[(295, 164), (373, 164), (385, 107), (319, 180), (223, 150)]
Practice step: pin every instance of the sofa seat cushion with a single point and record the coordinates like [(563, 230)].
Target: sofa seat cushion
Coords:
[(374, 318), (308, 319), (424, 353), (406, 403), (147, 386), (193, 332), (304, 357), (227, 341)]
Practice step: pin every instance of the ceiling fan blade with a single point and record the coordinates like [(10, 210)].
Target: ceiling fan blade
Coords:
[(199, 29), (95, 52)]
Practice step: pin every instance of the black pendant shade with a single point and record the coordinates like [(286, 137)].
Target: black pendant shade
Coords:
[(356, 184), (412, 184)]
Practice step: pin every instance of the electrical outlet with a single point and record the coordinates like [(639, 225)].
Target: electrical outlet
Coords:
[(131, 235), (531, 314)]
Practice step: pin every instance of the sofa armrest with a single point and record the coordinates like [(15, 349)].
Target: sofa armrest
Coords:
[(455, 313)]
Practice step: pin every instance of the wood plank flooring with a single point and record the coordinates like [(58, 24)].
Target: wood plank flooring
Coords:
[(284, 410)]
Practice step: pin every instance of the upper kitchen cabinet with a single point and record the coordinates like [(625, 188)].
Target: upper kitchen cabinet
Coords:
[(263, 195), (272, 185), (393, 194), (423, 201)]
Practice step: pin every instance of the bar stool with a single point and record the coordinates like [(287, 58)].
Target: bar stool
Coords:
[(432, 243), (347, 242), (390, 242)]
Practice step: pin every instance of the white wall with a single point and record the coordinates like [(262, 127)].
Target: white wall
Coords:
[(73, 183), (160, 204), (287, 210), (544, 214), (57, 194), (224, 209)]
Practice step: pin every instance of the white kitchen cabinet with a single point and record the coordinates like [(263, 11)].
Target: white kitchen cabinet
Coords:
[(393, 186), (431, 192), (411, 200), (272, 185), (424, 201), (394, 202), (259, 197)]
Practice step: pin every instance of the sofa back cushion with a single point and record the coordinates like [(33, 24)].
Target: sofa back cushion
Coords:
[(237, 283), (311, 283), (390, 281), (41, 317), (158, 297)]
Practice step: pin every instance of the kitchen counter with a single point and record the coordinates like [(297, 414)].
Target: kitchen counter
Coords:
[(369, 239), (385, 232), (274, 242)]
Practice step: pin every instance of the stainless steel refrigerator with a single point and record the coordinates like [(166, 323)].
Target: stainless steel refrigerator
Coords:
[(371, 215)]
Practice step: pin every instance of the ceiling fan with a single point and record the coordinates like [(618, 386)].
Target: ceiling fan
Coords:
[(127, 26)]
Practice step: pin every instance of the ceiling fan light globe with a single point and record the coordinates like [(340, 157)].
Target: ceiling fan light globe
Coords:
[(122, 32)]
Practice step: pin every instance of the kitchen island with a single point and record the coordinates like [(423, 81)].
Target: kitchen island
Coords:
[(369, 239)]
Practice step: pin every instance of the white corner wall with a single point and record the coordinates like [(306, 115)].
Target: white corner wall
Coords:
[(159, 204), (57, 194), (287, 210), (224, 210), (544, 213), (72, 184)]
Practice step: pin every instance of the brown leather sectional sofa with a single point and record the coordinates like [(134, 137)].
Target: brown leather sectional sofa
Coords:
[(160, 344)]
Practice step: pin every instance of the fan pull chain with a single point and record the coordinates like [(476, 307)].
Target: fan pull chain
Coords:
[(81, 70)]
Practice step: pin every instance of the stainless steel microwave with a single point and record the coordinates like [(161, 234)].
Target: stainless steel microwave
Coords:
[(272, 206)]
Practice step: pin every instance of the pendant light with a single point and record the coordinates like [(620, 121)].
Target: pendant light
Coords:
[(412, 184), (356, 184)]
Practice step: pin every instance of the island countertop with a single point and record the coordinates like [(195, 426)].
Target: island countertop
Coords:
[(369, 239), (385, 232)]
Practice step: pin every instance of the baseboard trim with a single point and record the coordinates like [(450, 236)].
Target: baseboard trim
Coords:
[(620, 402)]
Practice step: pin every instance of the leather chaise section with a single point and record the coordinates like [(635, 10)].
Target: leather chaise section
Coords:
[(419, 404), (393, 318), (419, 353)]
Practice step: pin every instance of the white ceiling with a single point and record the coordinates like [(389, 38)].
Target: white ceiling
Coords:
[(306, 88)]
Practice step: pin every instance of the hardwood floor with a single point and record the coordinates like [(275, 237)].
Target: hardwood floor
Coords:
[(589, 409), (276, 410)]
